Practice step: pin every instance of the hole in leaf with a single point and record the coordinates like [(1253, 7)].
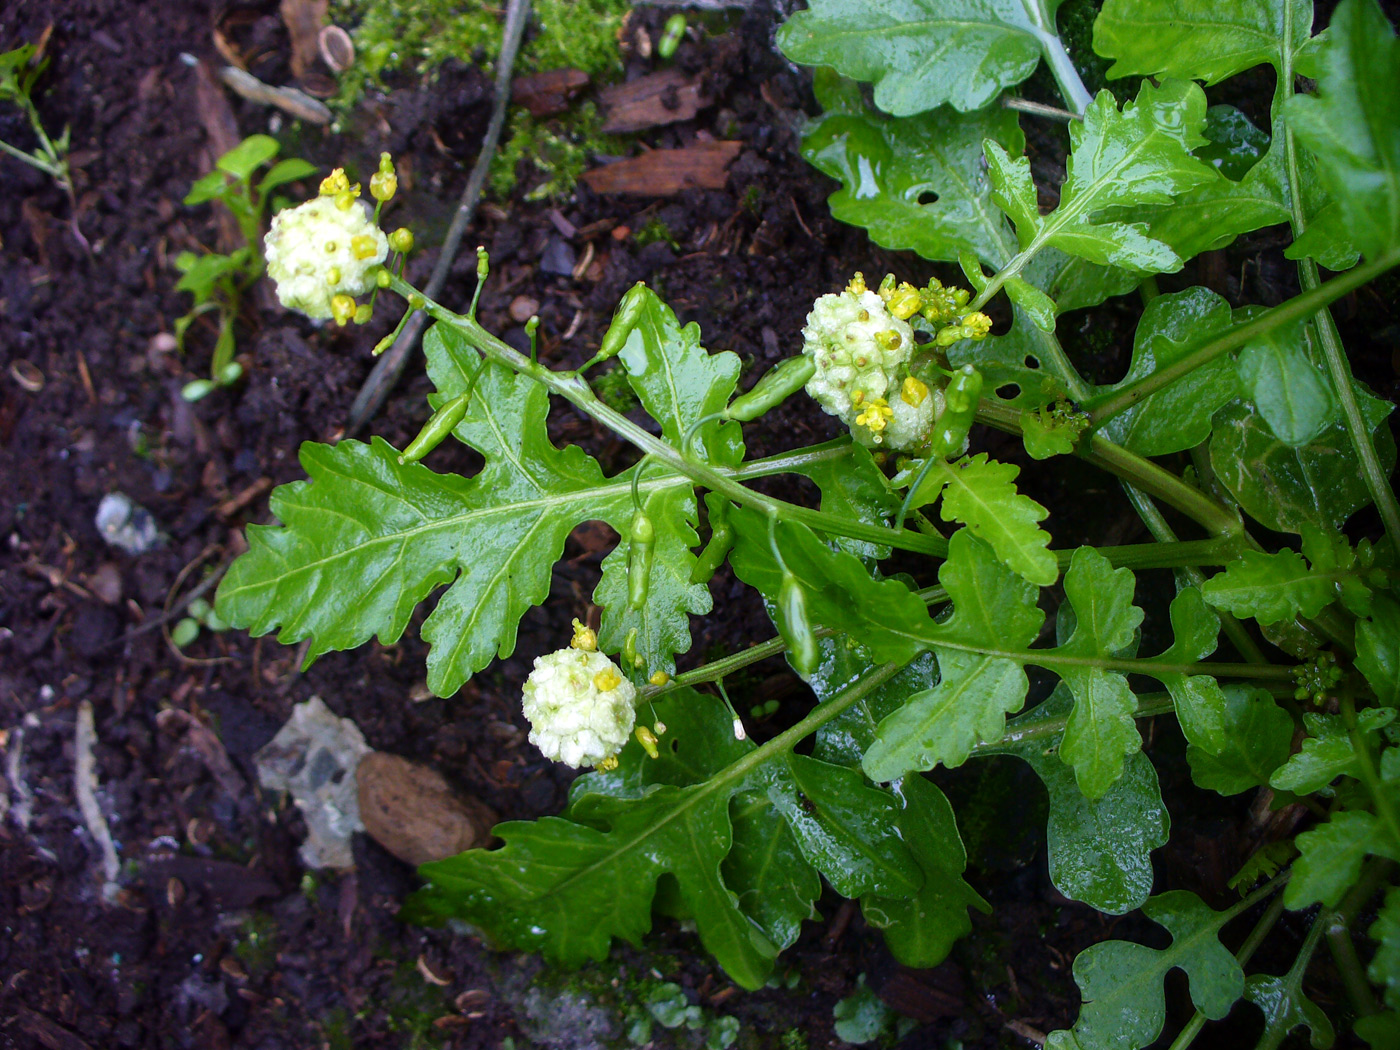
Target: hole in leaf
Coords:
[(1031, 361), (927, 197), (1008, 391)]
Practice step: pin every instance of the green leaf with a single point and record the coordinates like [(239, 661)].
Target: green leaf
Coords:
[(1326, 752), (1385, 964), (861, 1017), (993, 609), (283, 172), (843, 826), (1139, 156), (1330, 857), (920, 931), (679, 382), (1099, 851), (1235, 145), (1285, 1008), (1352, 126), (1269, 587), (883, 615), (1198, 39), (1283, 487), (1100, 731), (775, 885), (855, 488), (1179, 415), (1280, 374), (979, 492), (1013, 361), (922, 54), (248, 156), (1200, 703), (381, 536), (1258, 735), (890, 167), (1378, 650), (1121, 982), (662, 624)]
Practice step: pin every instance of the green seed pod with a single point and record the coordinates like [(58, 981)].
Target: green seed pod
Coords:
[(671, 34), (795, 629), (630, 659), (960, 398), (436, 429), (641, 549), (712, 557), (625, 318), (778, 384)]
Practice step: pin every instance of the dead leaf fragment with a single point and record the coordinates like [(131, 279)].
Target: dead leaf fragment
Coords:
[(665, 172), (661, 98)]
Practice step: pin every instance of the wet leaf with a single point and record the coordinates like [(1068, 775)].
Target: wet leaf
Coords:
[(1269, 587), (1330, 856), (922, 54), (1258, 735), (1121, 982), (1282, 377), (1378, 650), (1286, 1008)]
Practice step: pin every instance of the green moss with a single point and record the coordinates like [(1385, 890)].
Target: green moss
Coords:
[(562, 148), (417, 36), (256, 943), (655, 230), (614, 391)]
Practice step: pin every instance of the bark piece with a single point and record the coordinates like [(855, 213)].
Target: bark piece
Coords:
[(412, 812), (651, 101), (550, 93), (665, 172)]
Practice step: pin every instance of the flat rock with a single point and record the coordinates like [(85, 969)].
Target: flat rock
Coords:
[(411, 811)]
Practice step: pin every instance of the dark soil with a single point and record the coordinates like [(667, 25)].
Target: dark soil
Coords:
[(218, 937)]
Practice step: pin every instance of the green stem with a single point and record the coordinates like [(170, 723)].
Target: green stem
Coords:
[(1162, 533), (577, 391), (1367, 768), (1300, 306), (1293, 980), (1138, 471), (56, 171)]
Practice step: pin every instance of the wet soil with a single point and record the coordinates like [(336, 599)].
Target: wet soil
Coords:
[(214, 935)]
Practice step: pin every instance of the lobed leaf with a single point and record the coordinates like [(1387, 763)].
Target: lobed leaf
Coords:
[(1352, 126), (922, 54), (1326, 752), (1330, 856), (1099, 851), (1140, 155), (979, 492), (1100, 730), (992, 609), (1121, 982), (1269, 587), (1286, 1008), (1385, 964), (1200, 703)]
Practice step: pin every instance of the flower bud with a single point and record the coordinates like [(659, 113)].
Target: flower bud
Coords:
[(342, 309), (383, 187), (585, 637), (401, 240)]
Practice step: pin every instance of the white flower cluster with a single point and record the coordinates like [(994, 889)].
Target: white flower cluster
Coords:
[(862, 353), (326, 247), (580, 707), (858, 347)]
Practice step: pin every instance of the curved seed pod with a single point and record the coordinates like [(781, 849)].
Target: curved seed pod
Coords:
[(436, 429), (778, 384), (642, 537), (625, 318), (794, 627), (712, 557), (960, 399), (671, 34)]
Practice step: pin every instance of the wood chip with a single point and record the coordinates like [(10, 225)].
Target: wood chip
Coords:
[(665, 172), (550, 93), (651, 101), (298, 103)]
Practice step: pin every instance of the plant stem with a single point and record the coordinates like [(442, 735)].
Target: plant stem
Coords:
[(577, 391), (1039, 109), (1138, 471), (55, 171), (1367, 768), (1293, 980), (1300, 306), (1067, 79)]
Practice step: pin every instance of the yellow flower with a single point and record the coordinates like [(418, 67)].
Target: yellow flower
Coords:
[(585, 637), (334, 183), (876, 415), (914, 391)]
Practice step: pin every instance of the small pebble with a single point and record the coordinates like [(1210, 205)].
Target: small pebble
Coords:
[(522, 308)]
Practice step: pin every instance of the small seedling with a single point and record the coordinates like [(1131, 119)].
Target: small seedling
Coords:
[(217, 281)]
